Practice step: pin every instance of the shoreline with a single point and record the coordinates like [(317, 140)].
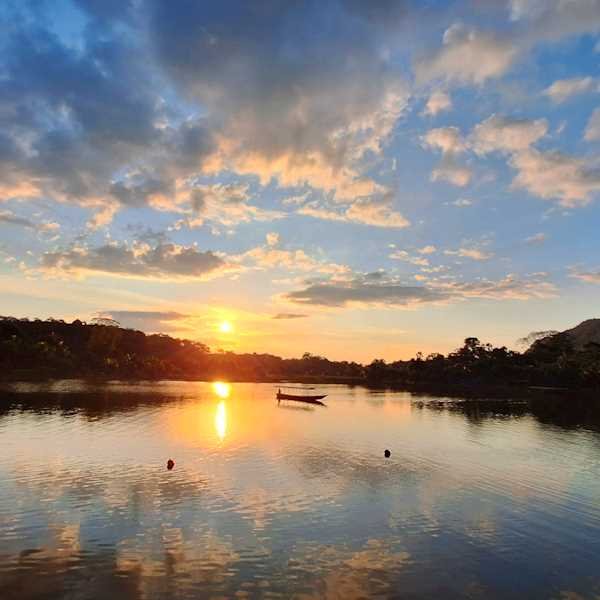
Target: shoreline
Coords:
[(464, 391)]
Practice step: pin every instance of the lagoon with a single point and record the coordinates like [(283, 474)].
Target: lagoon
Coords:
[(291, 501)]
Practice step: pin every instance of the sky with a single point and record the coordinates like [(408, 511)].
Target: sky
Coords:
[(352, 179)]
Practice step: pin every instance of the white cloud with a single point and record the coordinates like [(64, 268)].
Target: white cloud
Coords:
[(419, 261), (222, 204), (472, 253), (511, 287), (462, 202), (551, 175), (537, 238), (366, 212), (526, 9), (271, 257), (563, 89), (452, 172), (449, 141), (439, 101), (501, 134), (587, 276), (430, 249), (272, 239), (446, 139), (592, 130), (467, 56)]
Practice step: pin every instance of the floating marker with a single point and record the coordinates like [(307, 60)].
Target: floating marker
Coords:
[(170, 464), (387, 453)]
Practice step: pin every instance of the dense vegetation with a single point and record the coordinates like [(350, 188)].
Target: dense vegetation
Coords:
[(52, 348), (550, 361), (43, 349)]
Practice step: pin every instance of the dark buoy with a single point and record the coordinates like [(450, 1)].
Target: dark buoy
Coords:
[(170, 464), (387, 453)]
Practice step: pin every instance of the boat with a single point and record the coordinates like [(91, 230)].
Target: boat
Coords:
[(306, 398)]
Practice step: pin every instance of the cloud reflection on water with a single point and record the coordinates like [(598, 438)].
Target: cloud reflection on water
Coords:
[(294, 503)]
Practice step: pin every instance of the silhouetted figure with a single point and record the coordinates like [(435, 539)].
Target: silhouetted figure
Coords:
[(387, 453), (170, 464)]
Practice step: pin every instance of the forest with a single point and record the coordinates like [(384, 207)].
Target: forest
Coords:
[(46, 349)]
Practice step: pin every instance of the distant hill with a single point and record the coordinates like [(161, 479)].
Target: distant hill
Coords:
[(575, 339), (586, 332)]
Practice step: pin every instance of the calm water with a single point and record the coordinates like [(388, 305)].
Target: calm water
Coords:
[(269, 501)]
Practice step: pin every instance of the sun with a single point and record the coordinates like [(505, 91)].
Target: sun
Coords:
[(225, 327)]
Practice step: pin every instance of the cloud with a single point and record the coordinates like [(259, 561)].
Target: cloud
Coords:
[(156, 93), (69, 128), (146, 320), (383, 290), (452, 172), (446, 139), (549, 175), (592, 130), (563, 89), (550, 20), (467, 56), (9, 218), (362, 292), (222, 204), (462, 202), (537, 238), (429, 249), (272, 239), (449, 141), (472, 56), (511, 287), (366, 212), (439, 101), (419, 261), (552, 175), (587, 276), (273, 257), (289, 316), (378, 214), (270, 77), (502, 134), (144, 314), (163, 262), (472, 253)]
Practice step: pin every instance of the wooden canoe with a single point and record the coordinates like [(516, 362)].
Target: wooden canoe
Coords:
[(299, 398)]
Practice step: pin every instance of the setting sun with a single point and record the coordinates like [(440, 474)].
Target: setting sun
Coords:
[(225, 327)]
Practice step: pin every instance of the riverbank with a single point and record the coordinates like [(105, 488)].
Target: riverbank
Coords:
[(461, 391)]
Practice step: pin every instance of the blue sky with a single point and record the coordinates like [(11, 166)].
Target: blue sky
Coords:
[(352, 179)]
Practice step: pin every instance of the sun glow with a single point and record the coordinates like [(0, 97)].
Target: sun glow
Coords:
[(221, 389), (225, 327)]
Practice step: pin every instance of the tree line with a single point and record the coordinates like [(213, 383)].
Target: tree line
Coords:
[(40, 349)]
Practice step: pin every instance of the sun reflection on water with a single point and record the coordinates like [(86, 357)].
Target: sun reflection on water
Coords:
[(221, 420), (221, 389)]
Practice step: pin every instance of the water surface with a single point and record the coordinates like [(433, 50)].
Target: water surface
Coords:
[(282, 501)]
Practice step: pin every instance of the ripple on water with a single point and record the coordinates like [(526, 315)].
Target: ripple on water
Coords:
[(265, 502)]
